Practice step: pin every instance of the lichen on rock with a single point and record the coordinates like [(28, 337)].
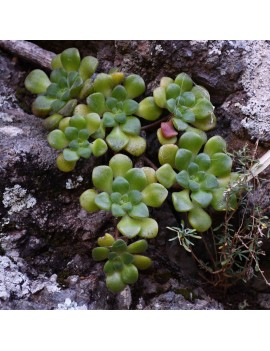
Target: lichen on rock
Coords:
[(17, 199)]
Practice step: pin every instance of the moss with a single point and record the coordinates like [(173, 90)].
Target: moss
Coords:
[(187, 293)]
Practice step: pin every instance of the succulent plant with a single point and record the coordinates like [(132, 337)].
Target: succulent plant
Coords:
[(73, 137), (123, 261), (115, 104), (117, 109), (69, 81), (126, 192), (202, 175), (187, 103)]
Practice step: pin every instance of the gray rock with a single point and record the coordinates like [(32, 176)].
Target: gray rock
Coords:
[(46, 238)]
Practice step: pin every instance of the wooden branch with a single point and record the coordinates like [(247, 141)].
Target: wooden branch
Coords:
[(29, 52)]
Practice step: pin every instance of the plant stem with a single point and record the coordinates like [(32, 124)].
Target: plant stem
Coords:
[(156, 124), (149, 162)]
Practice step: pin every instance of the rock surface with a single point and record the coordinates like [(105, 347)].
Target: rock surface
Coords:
[(46, 238)]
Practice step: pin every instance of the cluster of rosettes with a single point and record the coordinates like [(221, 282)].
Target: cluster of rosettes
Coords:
[(126, 192), (86, 113), (68, 82), (123, 263), (187, 104), (110, 111), (202, 175)]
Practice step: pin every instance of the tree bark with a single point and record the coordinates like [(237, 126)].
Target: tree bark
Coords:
[(29, 52)]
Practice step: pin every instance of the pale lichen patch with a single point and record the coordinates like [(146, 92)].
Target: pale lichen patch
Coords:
[(11, 131), (17, 199)]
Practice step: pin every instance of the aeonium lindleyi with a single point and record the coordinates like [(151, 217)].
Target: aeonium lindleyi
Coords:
[(69, 81), (126, 192), (203, 176), (187, 103)]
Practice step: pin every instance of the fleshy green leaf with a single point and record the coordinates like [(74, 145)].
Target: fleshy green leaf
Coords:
[(221, 164), (148, 109), (100, 253), (52, 122), (87, 200), (189, 98), (166, 175), (136, 178), (179, 124), (142, 262), (117, 140), (183, 158), (136, 145), (165, 81), (199, 219), (56, 62), (181, 201), (210, 182), (106, 241), (171, 105), (134, 85), (139, 211), (167, 153), (42, 106), (120, 164), (138, 246), (57, 139), (102, 178), (191, 141), (131, 126), (71, 133), (103, 84), (68, 109), (111, 103), (70, 155), (200, 92), (202, 198), (84, 152), (88, 67), (149, 228), (214, 145), (119, 93), (114, 282), (202, 109), (135, 197), (129, 227), (92, 122), (86, 90), (120, 185), (203, 161), (172, 91), (182, 179), (63, 165), (117, 210), (221, 202), (129, 274), (150, 174), (154, 195), (184, 81), (160, 96), (96, 103), (99, 147), (127, 258), (103, 201), (37, 82), (70, 59), (109, 120)]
